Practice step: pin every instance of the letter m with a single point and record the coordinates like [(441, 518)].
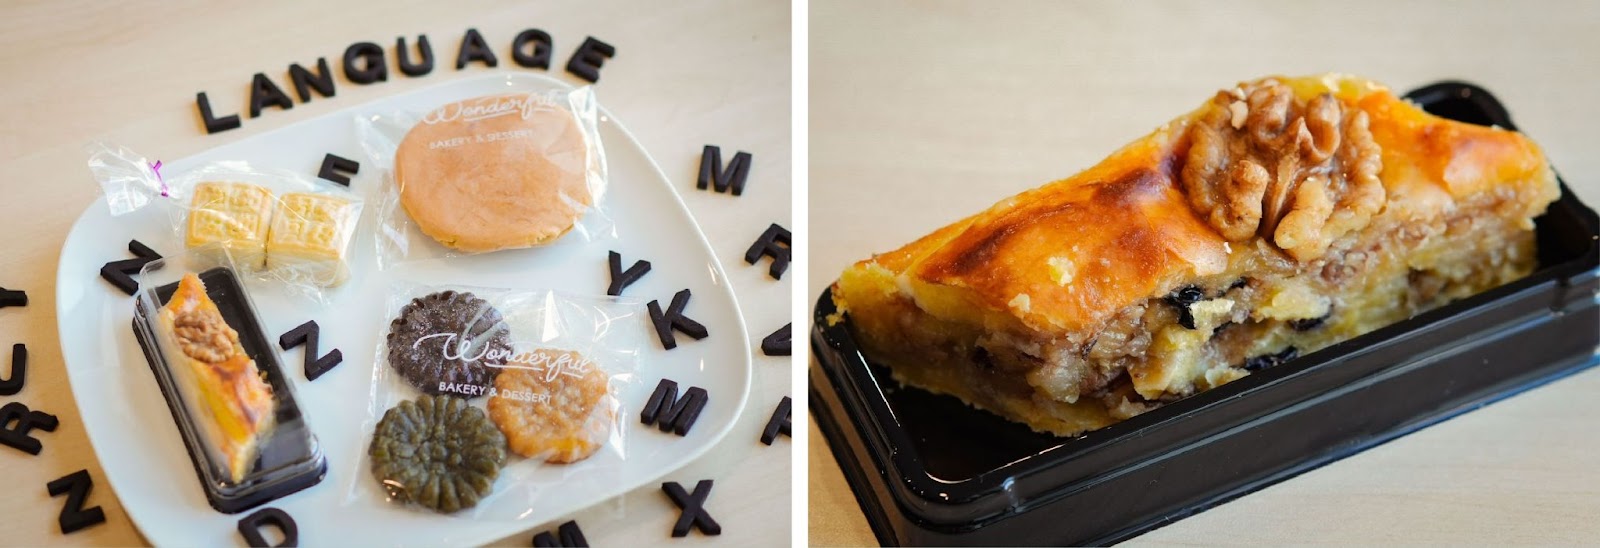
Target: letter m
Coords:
[(712, 173), (671, 413)]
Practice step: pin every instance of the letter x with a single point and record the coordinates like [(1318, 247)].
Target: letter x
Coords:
[(694, 511)]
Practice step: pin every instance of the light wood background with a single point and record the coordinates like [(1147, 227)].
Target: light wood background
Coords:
[(924, 112), (685, 74)]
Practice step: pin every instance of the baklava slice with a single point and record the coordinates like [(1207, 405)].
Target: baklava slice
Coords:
[(228, 400), (1282, 216)]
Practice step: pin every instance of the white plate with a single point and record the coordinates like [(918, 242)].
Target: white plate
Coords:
[(140, 448)]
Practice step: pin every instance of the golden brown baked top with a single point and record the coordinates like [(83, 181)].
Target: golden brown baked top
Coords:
[(1292, 163)]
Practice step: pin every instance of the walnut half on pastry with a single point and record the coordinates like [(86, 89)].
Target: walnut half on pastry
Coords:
[(1282, 216)]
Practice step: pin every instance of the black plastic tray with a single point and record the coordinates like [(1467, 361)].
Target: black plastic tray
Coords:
[(287, 461), (927, 469)]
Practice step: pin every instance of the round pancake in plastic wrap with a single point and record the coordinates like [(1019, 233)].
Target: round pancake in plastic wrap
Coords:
[(495, 172)]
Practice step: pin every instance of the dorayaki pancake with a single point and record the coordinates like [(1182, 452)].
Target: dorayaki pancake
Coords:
[(496, 172)]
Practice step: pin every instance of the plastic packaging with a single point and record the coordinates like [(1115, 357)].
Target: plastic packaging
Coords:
[(518, 169), (278, 454), (276, 225), (483, 400), (928, 469)]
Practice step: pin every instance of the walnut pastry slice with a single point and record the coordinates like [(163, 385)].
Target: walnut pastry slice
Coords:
[(228, 399), (1282, 216)]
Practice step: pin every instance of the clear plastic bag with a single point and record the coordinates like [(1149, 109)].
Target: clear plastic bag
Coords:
[(483, 400), (519, 169), (276, 225)]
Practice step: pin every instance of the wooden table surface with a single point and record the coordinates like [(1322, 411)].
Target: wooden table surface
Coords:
[(78, 71), (924, 112)]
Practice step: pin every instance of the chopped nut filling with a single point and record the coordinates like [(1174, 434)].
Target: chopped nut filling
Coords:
[(202, 335)]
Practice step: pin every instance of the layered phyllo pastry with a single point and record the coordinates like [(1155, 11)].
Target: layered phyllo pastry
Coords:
[(1282, 216), (229, 401)]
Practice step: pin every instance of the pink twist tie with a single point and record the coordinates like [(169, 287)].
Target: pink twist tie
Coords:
[(156, 167)]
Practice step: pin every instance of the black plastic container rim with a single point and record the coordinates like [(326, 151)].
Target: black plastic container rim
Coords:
[(263, 485), (923, 492)]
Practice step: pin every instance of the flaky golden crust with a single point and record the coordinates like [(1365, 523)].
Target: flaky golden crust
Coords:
[(1282, 216), (1123, 231)]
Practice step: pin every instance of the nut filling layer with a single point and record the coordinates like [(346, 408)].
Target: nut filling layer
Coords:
[(203, 336)]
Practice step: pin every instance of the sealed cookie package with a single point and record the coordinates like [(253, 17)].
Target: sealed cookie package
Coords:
[(488, 402), (518, 169), (223, 380), (276, 225)]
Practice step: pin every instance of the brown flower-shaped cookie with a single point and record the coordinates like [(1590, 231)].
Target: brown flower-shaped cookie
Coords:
[(449, 342)]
